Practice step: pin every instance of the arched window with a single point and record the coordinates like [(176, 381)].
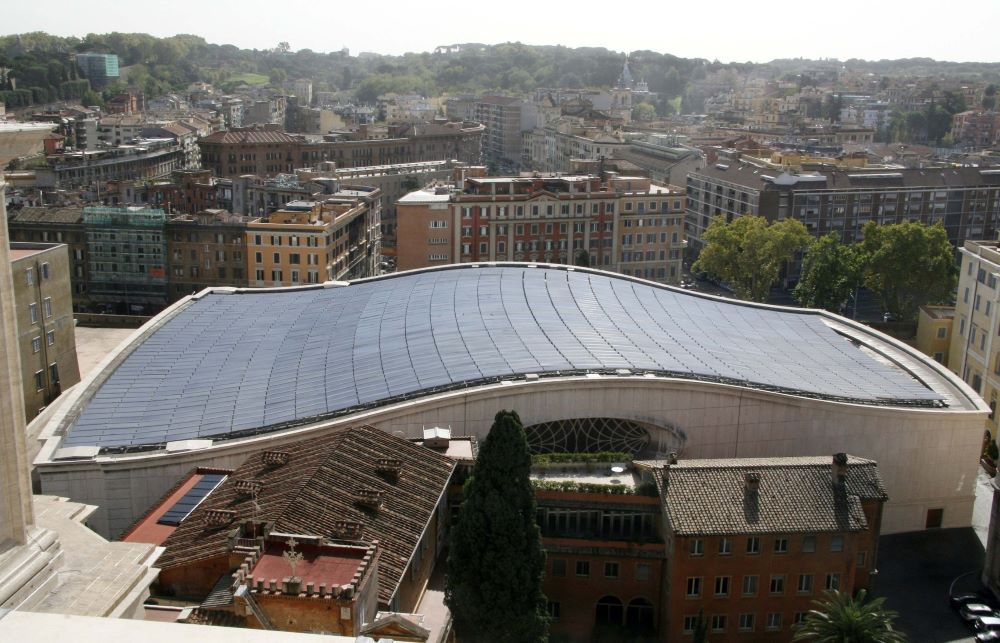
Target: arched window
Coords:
[(639, 615), (610, 611)]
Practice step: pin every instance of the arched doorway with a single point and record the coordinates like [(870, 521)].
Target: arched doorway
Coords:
[(639, 617), (609, 611)]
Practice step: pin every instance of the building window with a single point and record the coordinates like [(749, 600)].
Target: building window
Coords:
[(799, 618), (753, 545), (805, 584), (45, 270), (697, 547), (725, 546), (33, 312), (746, 622), (553, 609), (750, 585), (51, 337), (774, 621), (611, 570), (583, 568), (837, 543), (643, 571), (809, 544), (941, 332), (718, 622), (29, 275), (36, 344), (833, 581), (558, 567), (862, 558), (694, 586), (39, 380), (781, 545), (722, 585), (689, 623), (778, 584)]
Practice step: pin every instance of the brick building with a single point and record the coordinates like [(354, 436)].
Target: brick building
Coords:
[(206, 249), (625, 224), (366, 508), (267, 150), (752, 542)]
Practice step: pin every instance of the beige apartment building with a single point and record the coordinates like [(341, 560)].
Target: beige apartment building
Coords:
[(45, 331), (309, 242), (974, 353), (629, 225)]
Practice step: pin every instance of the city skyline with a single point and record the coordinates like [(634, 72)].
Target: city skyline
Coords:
[(736, 33)]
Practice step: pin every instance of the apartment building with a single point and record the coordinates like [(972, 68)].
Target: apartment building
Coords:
[(973, 354), (57, 225), (625, 224), (266, 151), (206, 249), (966, 201), (505, 119), (126, 251), (309, 242), (752, 543), (45, 330)]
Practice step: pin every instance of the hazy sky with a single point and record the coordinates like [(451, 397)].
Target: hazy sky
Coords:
[(729, 30)]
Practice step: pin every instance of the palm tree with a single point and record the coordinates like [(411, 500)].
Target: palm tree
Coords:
[(839, 618)]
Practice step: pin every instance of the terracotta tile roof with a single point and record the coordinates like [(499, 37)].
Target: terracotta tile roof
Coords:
[(795, 495), (315, 489), (247, 136), (221, 618), (69, 214)]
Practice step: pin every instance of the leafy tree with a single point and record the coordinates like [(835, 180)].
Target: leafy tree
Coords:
[(582, 259), (495, 564), (839, 618), (830, 272), (643, 112), (748, 253), (908, 265), (700, 627)]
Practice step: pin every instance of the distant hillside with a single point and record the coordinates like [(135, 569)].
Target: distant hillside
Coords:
[(39, 65)]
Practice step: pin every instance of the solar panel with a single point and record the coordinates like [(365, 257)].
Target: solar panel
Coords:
[(240, 362), (187, 503)]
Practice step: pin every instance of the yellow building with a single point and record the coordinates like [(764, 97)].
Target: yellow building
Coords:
[(309, 242), (934, 326), (974, 353)]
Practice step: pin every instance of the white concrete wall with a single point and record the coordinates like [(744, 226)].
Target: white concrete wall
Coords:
[(928, 457)]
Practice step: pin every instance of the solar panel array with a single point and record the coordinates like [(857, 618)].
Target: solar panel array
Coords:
[(186, 504), (232, 363)]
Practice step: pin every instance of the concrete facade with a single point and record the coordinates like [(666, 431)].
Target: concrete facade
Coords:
[(46, 334), (928, 458)]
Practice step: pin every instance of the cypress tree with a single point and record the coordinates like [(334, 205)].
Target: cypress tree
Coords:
[(496, 560)]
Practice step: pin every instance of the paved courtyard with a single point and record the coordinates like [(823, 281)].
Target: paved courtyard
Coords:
[(94, 344), (916, 571)]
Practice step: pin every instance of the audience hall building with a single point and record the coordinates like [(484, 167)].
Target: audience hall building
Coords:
[(592, 361)]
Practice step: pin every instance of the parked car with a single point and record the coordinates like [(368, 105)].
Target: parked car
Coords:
[(988, 624), (958, 600), (988, 635), (972, 611)]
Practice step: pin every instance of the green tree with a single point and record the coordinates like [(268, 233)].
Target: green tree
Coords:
[(908, 265), (700, 628), (830, 272), (643, 112), (495, 564), (582, 259), (839, 618), (748, 253)]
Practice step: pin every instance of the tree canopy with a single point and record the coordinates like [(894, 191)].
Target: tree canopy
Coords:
[(748, 253), (830, 272), (838, 617), (908, 265), (495, 565)]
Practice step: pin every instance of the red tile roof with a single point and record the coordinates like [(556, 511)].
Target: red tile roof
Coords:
[(315, 489), (245, 136)]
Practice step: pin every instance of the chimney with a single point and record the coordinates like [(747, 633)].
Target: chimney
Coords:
[(839, 468), (752, 482)]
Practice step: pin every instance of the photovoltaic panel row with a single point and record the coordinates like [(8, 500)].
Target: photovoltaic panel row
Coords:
[(236, 362), (187, 503)]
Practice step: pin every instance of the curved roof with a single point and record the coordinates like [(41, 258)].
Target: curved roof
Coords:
[(226, 365)]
